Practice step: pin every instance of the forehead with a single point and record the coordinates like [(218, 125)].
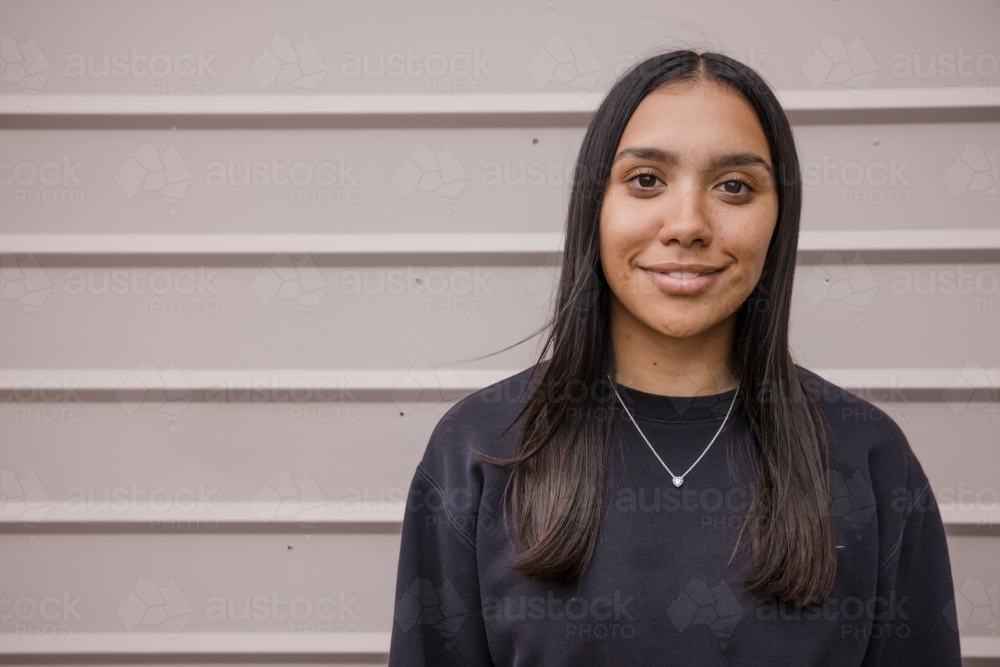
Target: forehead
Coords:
[(695, 117)]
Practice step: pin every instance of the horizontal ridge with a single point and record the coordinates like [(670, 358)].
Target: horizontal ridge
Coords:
[(928, 240)]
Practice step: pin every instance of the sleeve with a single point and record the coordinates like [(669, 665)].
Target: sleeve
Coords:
[(914, 612), (438, 620)]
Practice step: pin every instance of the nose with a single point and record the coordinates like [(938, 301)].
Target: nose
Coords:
[(685, 216)]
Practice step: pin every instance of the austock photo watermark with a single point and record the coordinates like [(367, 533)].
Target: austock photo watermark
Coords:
[(46, 616), (976, 607), (717, 509), (550, 173), (852, 502), (429, 386), (52, 180), (179, 508), (294, 62), (871, 182), (612, 615), (563, 63), (329, 181), (287, 63), (325, 615), (459, 73), (53, 399), (969, 171), (978, 505), (437, 169), (165, 168), (425, 602), (442, 290), (160, 168), (439, 606), (307, 398), (164, 290), (846, 61), (579, 617), (23, 498), (874, 617), (853, 286), (161, 73), (151, 606)]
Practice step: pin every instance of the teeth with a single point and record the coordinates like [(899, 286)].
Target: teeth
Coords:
[(683, 275)]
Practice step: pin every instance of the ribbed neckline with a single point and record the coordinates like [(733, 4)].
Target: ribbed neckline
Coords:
[(710, 407)]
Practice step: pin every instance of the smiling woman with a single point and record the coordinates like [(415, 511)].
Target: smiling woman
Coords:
[(683, 257), (548, 527)]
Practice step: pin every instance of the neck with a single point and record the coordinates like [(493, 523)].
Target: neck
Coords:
[(653, 362)]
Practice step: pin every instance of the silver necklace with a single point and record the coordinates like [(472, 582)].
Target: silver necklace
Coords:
[(677, 479)]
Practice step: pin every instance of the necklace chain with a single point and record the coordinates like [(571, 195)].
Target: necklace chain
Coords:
[(677, 479)]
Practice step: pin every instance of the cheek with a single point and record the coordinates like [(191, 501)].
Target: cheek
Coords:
[(619, 224), (761, 240), (618, 242), (751, 235)]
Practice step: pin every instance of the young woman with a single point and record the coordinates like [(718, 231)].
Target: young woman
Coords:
[(666, 487)]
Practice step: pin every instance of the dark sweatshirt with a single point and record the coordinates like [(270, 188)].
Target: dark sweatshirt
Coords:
[(659, 589)]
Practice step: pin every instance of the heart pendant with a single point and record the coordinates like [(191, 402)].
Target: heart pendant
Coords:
[(678, 481)]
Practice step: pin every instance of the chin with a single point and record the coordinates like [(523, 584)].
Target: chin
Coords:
[(682, 329)]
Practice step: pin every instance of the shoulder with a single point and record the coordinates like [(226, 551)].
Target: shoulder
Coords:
[(858, 426), (477, 424), (860, 431), (871, 457)]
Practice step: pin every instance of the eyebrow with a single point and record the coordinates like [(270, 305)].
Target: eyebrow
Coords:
[(643, 153), (742, 160), (666, 157)]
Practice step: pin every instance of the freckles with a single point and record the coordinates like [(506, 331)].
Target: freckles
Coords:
[(741, 278)]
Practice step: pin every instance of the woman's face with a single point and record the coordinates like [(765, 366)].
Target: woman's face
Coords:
[(689, 209)]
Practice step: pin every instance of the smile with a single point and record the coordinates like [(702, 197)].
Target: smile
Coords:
[(685, 275), (684, 283)]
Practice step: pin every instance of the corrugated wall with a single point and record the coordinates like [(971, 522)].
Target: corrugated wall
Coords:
[(251, 251)]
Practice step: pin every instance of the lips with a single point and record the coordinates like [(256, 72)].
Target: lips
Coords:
[(683, 281), (686, 275)]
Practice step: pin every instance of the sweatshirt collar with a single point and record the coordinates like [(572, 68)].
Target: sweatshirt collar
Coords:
[(709, 407)]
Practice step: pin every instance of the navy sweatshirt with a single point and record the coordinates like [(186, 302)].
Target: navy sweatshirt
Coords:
[(659, 589)]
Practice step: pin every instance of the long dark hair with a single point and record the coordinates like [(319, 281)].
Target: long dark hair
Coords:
[(557, 484)]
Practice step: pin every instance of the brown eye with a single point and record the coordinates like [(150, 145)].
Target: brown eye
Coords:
[(645, 180), (734, 186)]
